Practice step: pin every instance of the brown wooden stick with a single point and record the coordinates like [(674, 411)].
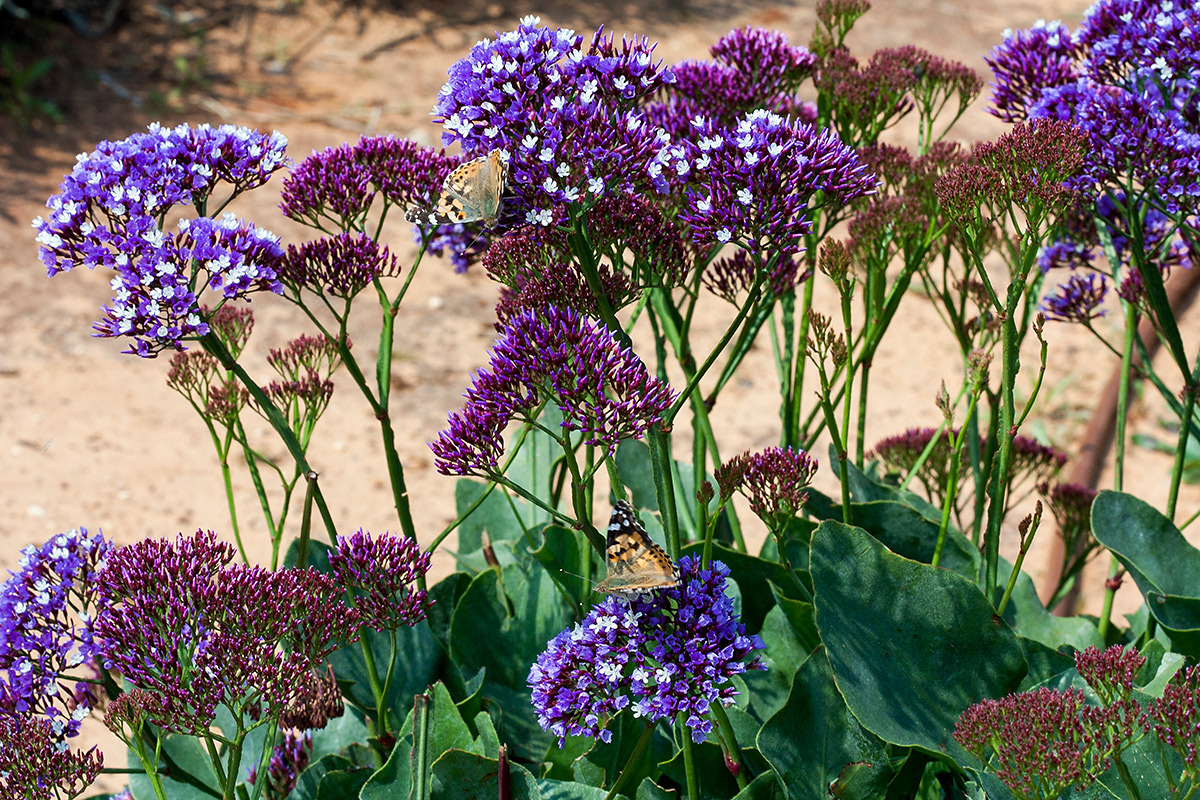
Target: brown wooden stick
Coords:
[(1088, 464)]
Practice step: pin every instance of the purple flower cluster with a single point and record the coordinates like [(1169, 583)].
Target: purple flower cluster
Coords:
[(565, 114), (47, 612), (383, 569), (109, 213), (1127, 77), (752, 68), (193, 631), (554, 355), (775, 480), (341, 265), (666, 653), (338, 185), (1176, 718), (751, 183), (1078, 300), (35, 762)]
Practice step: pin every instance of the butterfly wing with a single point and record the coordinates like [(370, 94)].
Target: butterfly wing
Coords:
[(471, 193), (635, 563)]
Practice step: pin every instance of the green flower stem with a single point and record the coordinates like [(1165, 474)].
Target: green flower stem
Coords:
[(794, 363), (420, 750), (1185, 431), (217, 349), (689, 760), (227, 483), (664, 486), (952, 485), (835, 434), (1114, 566), (252, 458), (733, 753), (1026, 541), (1126, 779), (264, 757), (377, 693), (634, 756), (306, 521), (149, 763)]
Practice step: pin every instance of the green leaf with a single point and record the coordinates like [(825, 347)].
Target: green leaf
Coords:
[(768, 689), (562, 553), (308, 786), (443, 596), (763, 787), (502, 623), (896, 628), (649, 790), (1165, 567), (459, 775), (191, 757), (342, 783), (1046, 666), (551, 789), (1144, 760), (418, 659), (813, 737)]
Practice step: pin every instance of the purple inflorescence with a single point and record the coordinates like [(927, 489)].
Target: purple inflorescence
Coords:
[(564, 114), (775, 480), (194, 631), (1078, 300), (1127, 77), (384, 569), (667, 653), (47, 611), (109, 211), (36, 762), (559, 356), (751, 183)]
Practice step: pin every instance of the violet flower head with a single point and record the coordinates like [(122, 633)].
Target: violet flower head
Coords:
[(731, 277), (232, 324), (1027, 62), (196, 632), (338, 185), (35, 762), (1038, 743), (752, 183), (1078, 300), (1032, 460), (115, 190), (383, 569), (775, 480), (1175, 718), (1071, 505), (565, 114), (48, 610), (666, 653), (553, 355), (341, 265), (1110, 672)]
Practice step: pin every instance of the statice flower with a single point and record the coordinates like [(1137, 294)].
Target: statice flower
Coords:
[(1078, 300), (1175, 718), (554, 355), (1127, 78), (899, 453), (1026, 63), (1042, 742), (731, 277), (194, 631), (48, 610), (35, 762), (1110, 672), (383, 570), (565, 114), (341, 265), (109, 210), (775, 481), (337, 186), (1032, 460), (752, 183), (665, 654), (1071, 504)]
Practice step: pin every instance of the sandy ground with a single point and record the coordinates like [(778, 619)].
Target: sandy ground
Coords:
[(94, 438)]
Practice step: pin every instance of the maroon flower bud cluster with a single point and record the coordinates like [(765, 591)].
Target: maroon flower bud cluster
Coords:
[(775, 480)]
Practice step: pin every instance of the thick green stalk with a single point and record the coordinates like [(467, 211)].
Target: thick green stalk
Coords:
[(733, 753), (634, 756), (1185, 432), (952, 485), (1114, 566), (420, 750), (689, 760)]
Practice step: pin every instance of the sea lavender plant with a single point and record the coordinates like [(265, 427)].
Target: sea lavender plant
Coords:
[(665, 654), (36, 762), (553, 356), (49, 654), (775, 481)]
